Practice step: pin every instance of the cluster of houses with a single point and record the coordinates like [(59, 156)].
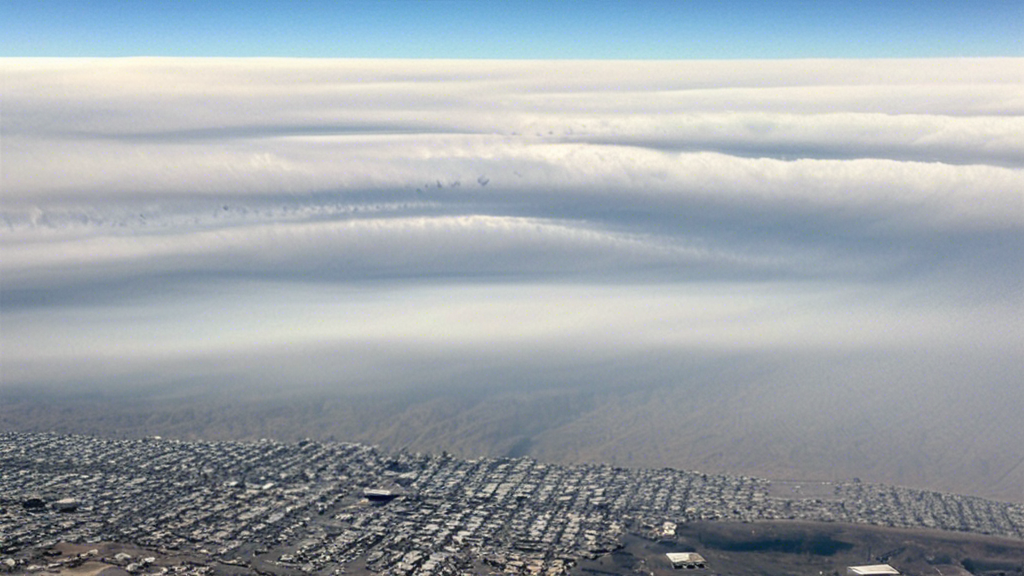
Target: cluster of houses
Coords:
[(328, 508)]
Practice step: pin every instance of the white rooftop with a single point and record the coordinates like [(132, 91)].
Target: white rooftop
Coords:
[(871, 570), (683, 557)]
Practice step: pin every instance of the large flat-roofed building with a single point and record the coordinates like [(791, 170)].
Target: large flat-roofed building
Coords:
[(379, 494), (686, 560), (872, 570)]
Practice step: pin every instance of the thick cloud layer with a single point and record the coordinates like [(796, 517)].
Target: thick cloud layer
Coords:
[(873, 175), (363, 224)]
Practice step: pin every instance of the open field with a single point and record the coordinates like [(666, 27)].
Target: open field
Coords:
[(786, 548)]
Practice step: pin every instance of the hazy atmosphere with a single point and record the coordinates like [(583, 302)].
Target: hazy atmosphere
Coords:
[(792, 268)]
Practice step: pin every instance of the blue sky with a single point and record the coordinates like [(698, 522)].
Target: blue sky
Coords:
[(528, 30)]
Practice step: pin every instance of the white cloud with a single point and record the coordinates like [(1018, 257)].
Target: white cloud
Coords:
[(147, 179)]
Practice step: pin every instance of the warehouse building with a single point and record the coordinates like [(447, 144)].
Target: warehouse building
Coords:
[(687, 560)]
